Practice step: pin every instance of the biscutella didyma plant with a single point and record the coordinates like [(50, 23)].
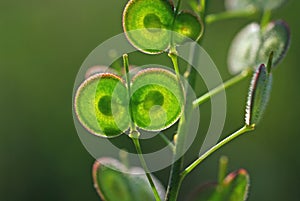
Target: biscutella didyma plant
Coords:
[(153, 99)]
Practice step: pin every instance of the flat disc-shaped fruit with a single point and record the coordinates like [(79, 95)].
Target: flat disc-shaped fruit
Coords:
[(101, 105), (187, 25), (146, 24), (114, 182), (157, 99), (258, 4), (149, 25), (253, 45), (99, 69)]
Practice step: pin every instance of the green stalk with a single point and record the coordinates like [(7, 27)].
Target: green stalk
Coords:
[(135, 138), (174, 58), (167, 141), (241, 131), (177, 163), (236, 79), (134, 134), (190, 72), (126, 66), (229, 15), (266, 16), (223, 163), (173, 45), (174, 181)]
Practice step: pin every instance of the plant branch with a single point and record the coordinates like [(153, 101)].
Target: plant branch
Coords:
[(135, 138), (174, 58), (265, 18), (167, 141), (126, 66), (211, 18), (190, 72), (175, 180), (236, 79), (134, 134), (241, 131)]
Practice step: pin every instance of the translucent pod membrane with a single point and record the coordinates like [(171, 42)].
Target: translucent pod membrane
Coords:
[(157, 99), (187, 25), (114, 182), (98, 70), (259, 95), (253, 4), (101, 105), (253, 45), (152, 19), (148, 25)]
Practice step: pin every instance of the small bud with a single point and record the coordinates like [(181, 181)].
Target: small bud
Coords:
[(175, 138)]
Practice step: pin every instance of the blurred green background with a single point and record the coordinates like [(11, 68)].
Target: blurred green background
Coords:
[(42, 46)]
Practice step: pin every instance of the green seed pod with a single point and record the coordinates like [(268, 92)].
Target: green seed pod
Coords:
[(258, 97), (234, 187), (276, 38), (157, 99), (253, 45), (106, 177), (146, 24), (187, 25), (114, 182), (101, 105), (250, 4), (99, 69)]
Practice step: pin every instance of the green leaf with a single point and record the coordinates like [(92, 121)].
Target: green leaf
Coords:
[(233, 188), (148, 25), (253, 45), (250, 4), (100, 105), (259, 94), (157, 99), (114, 182)]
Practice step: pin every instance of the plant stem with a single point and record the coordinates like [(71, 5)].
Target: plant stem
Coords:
[(167, 141), (223, 163), (203, 9), (177, 163), (266, 16), (177, 7), (173, 45), (137, 145), (134, 134), (229, 15), (126, 66), (175, 179), (174, 58), (236, 79), (241, 131), (190, 72)]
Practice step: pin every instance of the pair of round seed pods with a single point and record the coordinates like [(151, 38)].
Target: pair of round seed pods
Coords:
[(104, 107), (153, 26)]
